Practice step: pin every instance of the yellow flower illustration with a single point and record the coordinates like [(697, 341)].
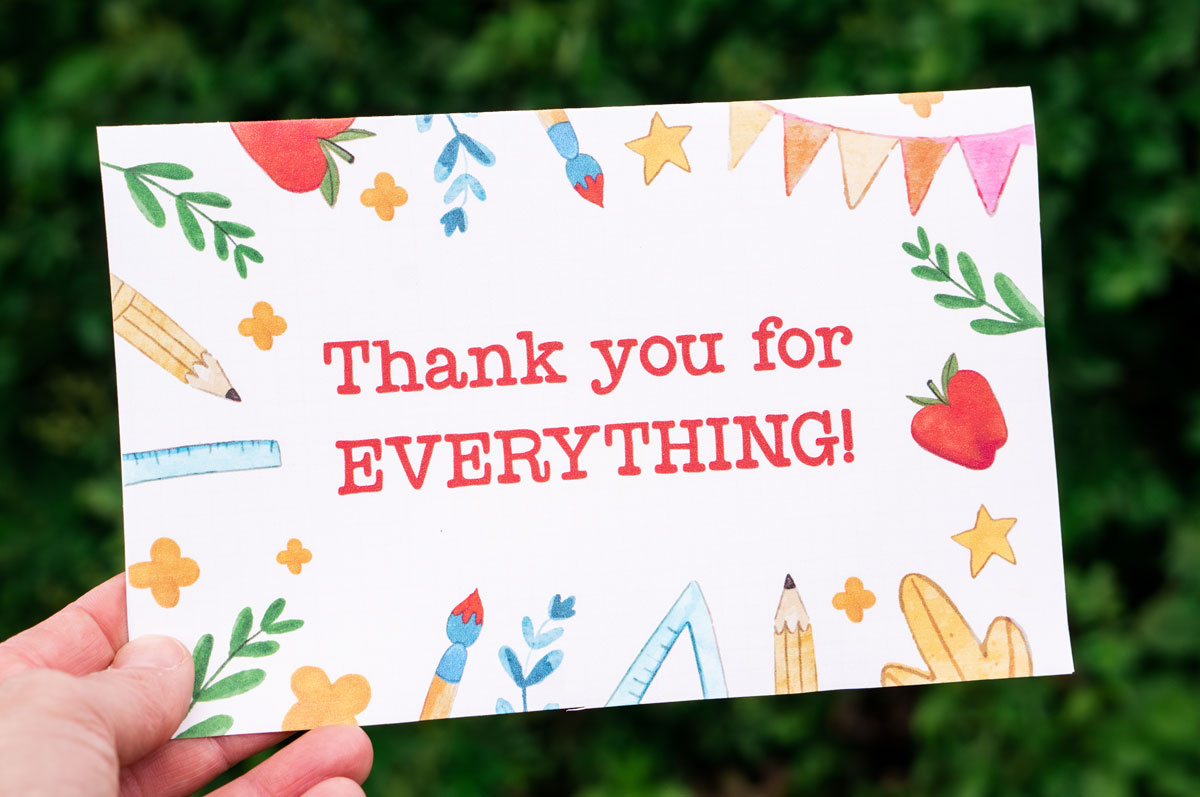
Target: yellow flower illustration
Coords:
[(165, 573), (854, 600), (320, 702), (922, 101), (295, 556), (263, 325), (385, 197)]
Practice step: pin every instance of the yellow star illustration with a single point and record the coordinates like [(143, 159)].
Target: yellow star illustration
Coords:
[(661, 145), (988, 537)]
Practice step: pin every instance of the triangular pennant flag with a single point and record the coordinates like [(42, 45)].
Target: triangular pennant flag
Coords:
[(746, 121), (802, 140), (863, 155), (990, 158), (922, 157)]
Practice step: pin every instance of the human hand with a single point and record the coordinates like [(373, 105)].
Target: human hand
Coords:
[(85, 711)]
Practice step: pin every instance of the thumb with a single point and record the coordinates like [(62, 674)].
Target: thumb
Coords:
[(143, 697)]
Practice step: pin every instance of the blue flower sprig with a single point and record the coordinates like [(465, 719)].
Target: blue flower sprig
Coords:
[(465, 183), (525, 676)]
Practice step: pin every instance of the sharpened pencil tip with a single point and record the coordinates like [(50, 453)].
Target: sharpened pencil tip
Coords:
[(788, 583), (232, 395)]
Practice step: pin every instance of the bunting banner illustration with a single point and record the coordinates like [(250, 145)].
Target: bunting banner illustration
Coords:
[(989, 156)]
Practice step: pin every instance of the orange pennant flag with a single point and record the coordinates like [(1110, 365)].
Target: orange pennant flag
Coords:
[(863, 155), (802, 140), (922, 157), (746, 122)]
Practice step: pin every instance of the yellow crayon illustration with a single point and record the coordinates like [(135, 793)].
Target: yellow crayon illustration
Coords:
[(795, 660), (156, 335)]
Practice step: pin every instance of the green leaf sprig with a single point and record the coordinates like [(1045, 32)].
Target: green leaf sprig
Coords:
[(189, 208), (241, 645), (1021, 313)]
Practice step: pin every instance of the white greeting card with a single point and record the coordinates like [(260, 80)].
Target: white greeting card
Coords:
[(464, 414)]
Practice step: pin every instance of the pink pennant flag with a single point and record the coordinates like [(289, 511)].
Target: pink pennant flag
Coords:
[(990, 158)]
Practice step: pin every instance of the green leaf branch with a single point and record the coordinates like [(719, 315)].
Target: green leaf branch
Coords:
[(242, 644), (189, 209), (1021, 314)]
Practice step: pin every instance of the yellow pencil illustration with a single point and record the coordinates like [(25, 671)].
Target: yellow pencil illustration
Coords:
[(795, 661), (154, 334)]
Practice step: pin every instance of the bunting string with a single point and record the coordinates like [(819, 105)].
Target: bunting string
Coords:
[(989, 156)]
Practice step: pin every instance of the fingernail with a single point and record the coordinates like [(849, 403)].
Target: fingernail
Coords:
[(151, 652)]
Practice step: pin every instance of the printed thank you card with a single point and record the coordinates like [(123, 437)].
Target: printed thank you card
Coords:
[(464, 414)]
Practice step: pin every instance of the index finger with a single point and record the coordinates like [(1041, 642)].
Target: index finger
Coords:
[(80, 639)]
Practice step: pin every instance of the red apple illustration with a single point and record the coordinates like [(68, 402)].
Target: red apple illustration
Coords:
[(298, 154), (963, 422)]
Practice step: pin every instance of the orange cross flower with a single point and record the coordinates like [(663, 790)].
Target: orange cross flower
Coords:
[(385, 197), (854, 600), (323, 703), (263, 325), (295, 557), (922, 101), (165, 573)]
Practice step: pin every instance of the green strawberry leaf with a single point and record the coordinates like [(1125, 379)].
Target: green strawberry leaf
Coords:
[(971, 276), (330, 183), (930, 273), (256, 650), (957, 302), (943, 258), (241, 630), (948, 372), (200, 657), (990, 326), (328, 147), (924, 402), (913, 250), (221, 244), (167, 171), (1017, 302), (272, 613), (190, 224), (923, 240), (350, 135), (210, 198), (284, 626), (216, 725), (145, 201), (233, 685)]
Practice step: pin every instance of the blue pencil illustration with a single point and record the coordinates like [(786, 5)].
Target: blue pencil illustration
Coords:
[(583, 172)]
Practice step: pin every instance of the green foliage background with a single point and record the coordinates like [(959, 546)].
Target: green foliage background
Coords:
[(1117, 97)]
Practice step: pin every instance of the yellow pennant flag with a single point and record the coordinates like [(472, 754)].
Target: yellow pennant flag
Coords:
[(746, 122), (863, 155)]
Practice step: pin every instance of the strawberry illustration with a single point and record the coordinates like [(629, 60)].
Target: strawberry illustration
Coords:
[(963, 422), (298, 154)]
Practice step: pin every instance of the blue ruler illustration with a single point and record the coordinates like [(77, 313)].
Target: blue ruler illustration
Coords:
[(167, 463), (689, 612)]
